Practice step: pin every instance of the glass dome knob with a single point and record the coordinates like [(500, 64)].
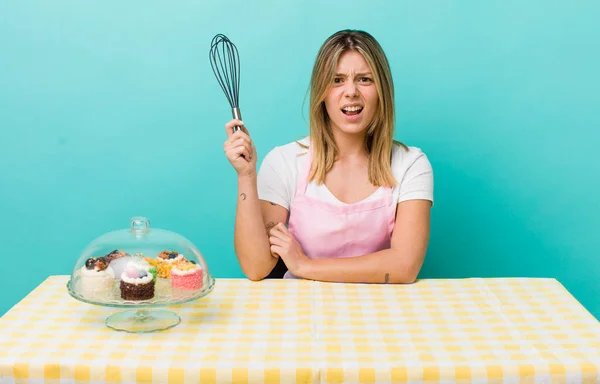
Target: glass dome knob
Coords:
[(139, 223)]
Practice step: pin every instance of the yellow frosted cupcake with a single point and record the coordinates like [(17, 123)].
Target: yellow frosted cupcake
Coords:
[(165, 262)]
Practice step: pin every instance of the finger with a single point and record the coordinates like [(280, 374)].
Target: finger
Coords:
[(277, 250), (240, 138), (240, 133), (246, 153), (227, 145), (281, 228), (286, 232), (233, 123), (241, 142), (236, 142), (274, 240), (282, 238), (276, 231), (236, 152), (275, 235)]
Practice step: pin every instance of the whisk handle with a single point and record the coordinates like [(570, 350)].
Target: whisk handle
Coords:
[(237, 114)]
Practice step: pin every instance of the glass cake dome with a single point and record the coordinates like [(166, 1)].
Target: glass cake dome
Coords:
[(142, 268)]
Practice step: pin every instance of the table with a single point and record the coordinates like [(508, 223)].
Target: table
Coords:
[(296, 331)]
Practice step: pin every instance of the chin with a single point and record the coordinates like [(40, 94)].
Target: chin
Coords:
[(352, 130)]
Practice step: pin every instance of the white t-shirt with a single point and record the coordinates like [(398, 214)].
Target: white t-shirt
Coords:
[(278, 176)]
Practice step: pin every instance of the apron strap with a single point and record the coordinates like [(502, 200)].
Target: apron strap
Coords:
[(302, 181)]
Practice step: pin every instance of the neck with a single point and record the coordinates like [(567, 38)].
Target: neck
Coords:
[(350, 146)]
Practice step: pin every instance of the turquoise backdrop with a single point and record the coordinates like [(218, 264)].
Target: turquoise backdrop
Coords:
[(109, 109)]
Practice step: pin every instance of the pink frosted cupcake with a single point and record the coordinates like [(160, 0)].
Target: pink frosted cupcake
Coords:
[(186, 275)]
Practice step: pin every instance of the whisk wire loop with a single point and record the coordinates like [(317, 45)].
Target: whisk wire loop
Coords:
[(224, 60)]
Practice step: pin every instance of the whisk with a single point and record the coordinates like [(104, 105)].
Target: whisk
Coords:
[(225, 63)]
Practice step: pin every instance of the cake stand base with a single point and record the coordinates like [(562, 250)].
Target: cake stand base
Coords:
[(142, 321)]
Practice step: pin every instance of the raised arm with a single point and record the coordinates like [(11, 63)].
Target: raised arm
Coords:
[(253, 218)]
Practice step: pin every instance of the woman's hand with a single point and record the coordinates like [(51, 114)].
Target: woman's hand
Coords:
[(239, 148), (284, 245)]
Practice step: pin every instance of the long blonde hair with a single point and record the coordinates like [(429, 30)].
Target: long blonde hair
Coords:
[(380, 132)]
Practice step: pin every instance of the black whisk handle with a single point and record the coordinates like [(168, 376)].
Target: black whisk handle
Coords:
[(237, 114)]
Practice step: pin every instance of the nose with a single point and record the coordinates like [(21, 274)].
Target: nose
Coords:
[(351, 89)]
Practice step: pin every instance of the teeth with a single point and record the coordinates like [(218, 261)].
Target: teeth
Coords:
[(352, 109)]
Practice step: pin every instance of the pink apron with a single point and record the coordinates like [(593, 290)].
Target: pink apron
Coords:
[(326, 230)]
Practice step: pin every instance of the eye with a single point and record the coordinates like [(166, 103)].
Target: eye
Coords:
[(338, 80), (365, 79)]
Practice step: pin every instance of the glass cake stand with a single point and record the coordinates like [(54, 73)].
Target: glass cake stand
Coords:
[(141, 269)]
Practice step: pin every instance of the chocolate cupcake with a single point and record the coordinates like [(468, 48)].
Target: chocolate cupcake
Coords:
[(136, 283)]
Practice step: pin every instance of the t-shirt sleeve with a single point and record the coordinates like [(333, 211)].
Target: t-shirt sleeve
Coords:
[(417, 182), (272, 180)]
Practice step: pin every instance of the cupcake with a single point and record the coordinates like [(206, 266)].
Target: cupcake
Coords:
[(186, 275), (136, 283), (165, 261), (97, 278)]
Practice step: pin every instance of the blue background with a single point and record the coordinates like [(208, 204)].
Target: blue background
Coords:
[(110, 109)]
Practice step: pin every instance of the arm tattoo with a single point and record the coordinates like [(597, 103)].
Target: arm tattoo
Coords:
[(387, 278), (243, 195)]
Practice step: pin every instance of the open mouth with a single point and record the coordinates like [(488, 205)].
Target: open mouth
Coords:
[(352, 111)]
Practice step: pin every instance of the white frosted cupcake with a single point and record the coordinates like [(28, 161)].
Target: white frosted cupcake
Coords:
[(97, 279)]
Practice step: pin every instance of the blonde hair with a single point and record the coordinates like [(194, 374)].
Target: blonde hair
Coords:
[(380, 132)]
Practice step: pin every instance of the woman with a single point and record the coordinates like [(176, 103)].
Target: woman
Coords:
[(356, 203)]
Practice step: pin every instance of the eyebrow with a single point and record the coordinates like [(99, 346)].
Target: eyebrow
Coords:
[(357, 74)]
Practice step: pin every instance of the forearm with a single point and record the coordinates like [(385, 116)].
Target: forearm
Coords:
[(386, 266), (250, 236)]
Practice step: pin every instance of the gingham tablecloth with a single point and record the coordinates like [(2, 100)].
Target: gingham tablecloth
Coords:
[(294, 331)]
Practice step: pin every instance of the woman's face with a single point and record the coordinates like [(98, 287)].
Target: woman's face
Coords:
[(352, 100)]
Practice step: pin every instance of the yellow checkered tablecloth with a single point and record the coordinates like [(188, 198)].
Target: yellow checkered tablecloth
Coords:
[(295, 331)]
